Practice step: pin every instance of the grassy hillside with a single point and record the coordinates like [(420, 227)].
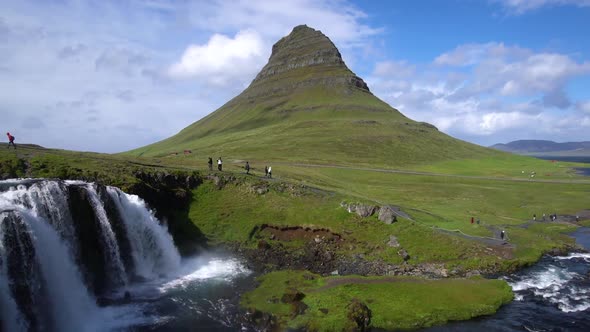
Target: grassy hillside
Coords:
[(307, 106)]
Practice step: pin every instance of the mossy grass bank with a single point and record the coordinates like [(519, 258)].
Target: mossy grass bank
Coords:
[(395, 303)]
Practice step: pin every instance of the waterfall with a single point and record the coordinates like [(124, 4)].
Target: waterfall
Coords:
[(60, 248), (153, 251), (113, 256)]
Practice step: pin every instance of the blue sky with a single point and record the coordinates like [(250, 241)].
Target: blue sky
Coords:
[(112, 75)]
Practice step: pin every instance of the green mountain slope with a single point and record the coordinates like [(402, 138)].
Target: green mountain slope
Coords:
[(305, 105)]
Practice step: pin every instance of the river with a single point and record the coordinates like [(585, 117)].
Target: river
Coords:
[(62, 269), (552, 295), (581, 170)]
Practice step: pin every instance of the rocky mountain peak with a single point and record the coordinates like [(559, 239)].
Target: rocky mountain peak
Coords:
[(306, 47)]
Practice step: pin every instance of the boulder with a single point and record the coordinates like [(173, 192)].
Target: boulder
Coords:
[(402, 252), (393, 242), (360, 315), (365, 210), (387, 215)]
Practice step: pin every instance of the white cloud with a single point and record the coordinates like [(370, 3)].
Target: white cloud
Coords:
[(584, 106), (482, 91), (223, 58), (522, 6), (515, 71), (98, 75)]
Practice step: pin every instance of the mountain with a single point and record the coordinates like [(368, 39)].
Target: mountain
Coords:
[(542, 147), (305, 105)]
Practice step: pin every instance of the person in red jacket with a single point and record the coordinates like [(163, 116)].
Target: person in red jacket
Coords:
[(10, 141)]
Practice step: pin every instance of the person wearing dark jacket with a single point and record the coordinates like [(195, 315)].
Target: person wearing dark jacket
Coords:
[(247, 167), (10, 141), (210, 163)]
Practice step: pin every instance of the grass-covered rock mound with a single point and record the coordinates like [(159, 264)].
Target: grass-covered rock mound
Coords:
[(303, 300)]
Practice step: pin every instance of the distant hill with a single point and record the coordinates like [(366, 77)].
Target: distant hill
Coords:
[(547, 148), (305, 105)]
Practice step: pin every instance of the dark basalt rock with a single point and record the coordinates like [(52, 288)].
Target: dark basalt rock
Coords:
[(360, 315), (169, 195), (292, 295), (304, 47)]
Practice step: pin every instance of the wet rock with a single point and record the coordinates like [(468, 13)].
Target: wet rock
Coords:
[(393, 241), (262, 320), (387, 215), (360, 315)]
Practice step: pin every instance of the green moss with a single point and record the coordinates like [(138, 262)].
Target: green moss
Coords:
[(395, 302)]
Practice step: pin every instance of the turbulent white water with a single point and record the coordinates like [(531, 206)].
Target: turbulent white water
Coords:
[(562, 282), (45, 276), (153, 251), (111, 248), (69, 301)]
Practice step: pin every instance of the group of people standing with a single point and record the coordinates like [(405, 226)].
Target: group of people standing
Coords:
[(219, 164), (267, 169)]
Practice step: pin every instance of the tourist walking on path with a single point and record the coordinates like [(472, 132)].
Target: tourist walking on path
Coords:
[(10, 141), (247, 167), (266, 171), (210, 163), (219, 164), (502, 235), (534, 217), (270, 172), (472, 220)]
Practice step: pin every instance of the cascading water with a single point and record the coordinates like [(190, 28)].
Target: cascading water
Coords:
[(70, 250), (116, 270), (152, 249)]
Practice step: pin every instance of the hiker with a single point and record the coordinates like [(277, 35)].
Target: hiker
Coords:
[(543, 216), (210, 163), (577, 218), (219, 164), (472, 220), (502, 234), (269, 172), (247, 167), (10, 141), (477, 221), (534, 217), (266, 171)]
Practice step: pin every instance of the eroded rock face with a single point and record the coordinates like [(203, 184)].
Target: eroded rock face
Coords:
[(307, 47), (365, 210), (387, 215)]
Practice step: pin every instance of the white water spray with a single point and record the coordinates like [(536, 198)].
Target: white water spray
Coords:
[(153, 250), (113, 255)]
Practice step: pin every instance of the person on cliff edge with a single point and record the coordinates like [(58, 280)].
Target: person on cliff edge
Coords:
[(219, 164), (247, 167), (10, 141), (210, 163)]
